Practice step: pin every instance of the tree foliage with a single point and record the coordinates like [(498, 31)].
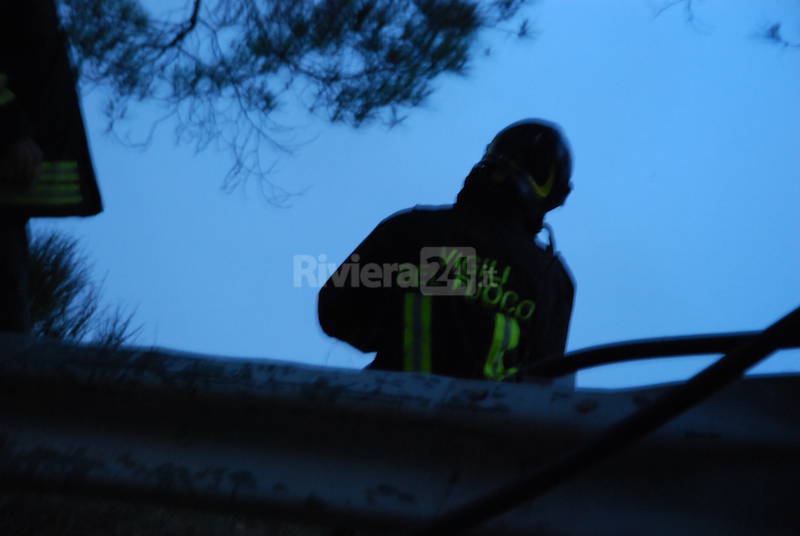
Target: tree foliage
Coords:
[(65, 302), (773, 32), (227, 66)]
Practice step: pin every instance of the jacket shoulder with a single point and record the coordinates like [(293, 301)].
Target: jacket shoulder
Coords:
[(418, 214)]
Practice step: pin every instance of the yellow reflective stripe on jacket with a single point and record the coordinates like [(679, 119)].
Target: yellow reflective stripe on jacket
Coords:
[(505, 337), (417, 333), (40, 188), (58, 184), (59, 172), (6, 94)]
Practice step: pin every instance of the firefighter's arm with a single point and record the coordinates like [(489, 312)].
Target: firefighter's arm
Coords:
[(559, 325), (353, 304), (554, 311), (559, 295)]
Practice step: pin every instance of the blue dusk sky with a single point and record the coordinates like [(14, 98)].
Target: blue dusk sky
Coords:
[(684, 216)]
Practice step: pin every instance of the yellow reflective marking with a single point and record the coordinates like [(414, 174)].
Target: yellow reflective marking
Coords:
[(44, 188), (505, 337), (417, 333), (59, 184), (59, 177), (60, 165), (497, 340), (547, 187), (514, 335)]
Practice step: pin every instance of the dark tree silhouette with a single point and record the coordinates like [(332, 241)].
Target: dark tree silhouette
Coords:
[(772, 32), (225, 68), (65, 301)]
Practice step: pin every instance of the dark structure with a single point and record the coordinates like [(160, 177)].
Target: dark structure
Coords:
[(398, 453), (45, 166), (464, 290)]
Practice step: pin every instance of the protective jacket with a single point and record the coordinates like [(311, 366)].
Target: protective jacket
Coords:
[(505, 303), (38, 100)]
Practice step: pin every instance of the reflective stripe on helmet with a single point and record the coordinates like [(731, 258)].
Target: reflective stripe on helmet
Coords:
[(538, 157), (544, 190), (417, 333)]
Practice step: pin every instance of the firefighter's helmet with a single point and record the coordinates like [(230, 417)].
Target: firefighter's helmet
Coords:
[(535, 158)]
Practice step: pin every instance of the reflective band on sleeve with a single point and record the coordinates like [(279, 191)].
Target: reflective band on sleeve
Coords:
[(60, 171), (505, 337), (58, 178), (43, 188), (416, 333), (59, 184)]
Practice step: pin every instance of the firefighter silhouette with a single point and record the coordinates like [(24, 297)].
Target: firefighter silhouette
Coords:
[(45, 165), (465, 290)]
